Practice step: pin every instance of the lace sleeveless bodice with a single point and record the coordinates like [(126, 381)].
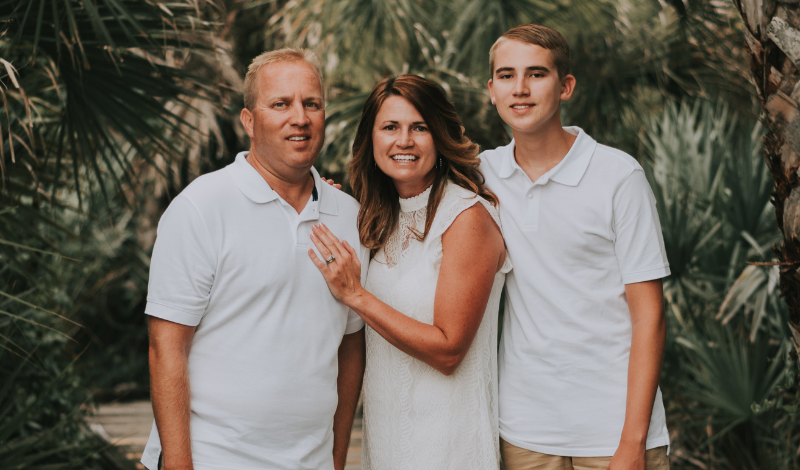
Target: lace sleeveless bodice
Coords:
[(414, 416)]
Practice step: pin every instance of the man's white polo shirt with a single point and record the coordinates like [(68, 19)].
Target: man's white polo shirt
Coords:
[(231, 259), (575, 237)]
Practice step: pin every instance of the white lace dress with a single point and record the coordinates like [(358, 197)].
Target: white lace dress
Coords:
[(416, 418)]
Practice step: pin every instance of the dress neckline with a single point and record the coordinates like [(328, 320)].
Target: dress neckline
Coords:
[(417, 202)]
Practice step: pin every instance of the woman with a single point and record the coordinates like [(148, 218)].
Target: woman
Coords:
[(433, 288)]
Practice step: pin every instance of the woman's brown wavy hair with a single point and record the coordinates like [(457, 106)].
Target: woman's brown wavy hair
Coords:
[(380, 204)]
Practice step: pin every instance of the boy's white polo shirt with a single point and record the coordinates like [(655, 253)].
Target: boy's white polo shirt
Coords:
[(231, 259), (575, 237)]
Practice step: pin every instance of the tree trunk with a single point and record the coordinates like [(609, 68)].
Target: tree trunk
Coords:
[(772, 33)]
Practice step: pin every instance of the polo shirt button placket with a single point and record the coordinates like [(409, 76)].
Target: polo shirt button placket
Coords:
[(532, 208)]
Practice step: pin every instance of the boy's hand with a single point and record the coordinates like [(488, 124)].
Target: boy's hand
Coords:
[(330, 182), (628, 457)]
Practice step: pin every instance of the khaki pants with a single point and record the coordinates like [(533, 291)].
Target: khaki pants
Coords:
[(515, 458)]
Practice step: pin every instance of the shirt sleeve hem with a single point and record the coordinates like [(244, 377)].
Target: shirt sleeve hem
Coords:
[(165, 312), (648, 275), (354, 325)]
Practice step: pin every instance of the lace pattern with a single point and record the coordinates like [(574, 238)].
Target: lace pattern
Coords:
[(414, 416)]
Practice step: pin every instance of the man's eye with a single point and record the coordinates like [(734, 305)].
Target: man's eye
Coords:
[(505, 76), (279, 105), (312, 105)]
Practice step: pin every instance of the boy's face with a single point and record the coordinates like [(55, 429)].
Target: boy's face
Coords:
[(526, 88)]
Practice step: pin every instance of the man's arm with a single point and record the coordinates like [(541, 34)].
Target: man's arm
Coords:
[(646, 304), (169, 390), (348, 385)]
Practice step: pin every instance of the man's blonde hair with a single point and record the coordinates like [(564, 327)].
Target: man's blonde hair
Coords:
[(287, 54), (537, 35)]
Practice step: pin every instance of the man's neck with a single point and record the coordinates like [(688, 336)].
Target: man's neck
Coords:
[(540, 151), (293, 186)]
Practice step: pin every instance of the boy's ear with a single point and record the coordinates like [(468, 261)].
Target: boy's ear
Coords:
[(491, 91), (567, 87)]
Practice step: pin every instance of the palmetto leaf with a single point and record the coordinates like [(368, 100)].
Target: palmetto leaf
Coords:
[(729, 376)]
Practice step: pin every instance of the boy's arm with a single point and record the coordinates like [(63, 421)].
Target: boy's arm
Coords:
[(646, 304)]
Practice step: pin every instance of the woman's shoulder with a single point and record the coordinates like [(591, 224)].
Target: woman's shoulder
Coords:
[(460, 199), (455, 201)]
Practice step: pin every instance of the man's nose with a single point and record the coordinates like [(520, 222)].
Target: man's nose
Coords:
[(299, 115)]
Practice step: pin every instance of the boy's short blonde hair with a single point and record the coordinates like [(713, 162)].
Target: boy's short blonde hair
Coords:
[(537, 35), (286, 54)]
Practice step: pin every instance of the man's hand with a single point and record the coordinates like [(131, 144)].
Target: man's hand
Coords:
[(169, 390), (629, 456)]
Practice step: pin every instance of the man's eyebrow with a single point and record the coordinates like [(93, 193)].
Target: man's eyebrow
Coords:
[(291, 98), (532, 68)]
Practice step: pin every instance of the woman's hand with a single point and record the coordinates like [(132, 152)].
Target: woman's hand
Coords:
[(331, 182), (343, 272)]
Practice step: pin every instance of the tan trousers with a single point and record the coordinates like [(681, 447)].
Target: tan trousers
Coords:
[(516, 458)]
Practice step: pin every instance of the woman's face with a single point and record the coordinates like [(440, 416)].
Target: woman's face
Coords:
[(403, 146)]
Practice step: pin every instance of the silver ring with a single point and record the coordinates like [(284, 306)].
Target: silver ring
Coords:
[(330, 259)]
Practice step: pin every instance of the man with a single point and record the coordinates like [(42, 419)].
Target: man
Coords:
[(253, 363), (584, 328)]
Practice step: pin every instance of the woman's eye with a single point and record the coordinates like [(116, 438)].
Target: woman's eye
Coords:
[(421, 128), (390, 127)]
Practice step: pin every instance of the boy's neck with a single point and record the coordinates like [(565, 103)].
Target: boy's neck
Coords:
[(540, 151)]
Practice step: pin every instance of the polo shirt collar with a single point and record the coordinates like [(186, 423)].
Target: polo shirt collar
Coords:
[(327, 195), (256, 188), (569, 170)]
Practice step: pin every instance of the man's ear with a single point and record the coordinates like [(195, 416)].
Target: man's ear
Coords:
[(567, 87), (247, 121), (491, 90)]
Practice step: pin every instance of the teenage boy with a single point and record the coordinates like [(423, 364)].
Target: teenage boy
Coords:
[(584, 330)]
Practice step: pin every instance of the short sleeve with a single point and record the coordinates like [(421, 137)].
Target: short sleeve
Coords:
[(354, 322), (182, 267), (456, 201), (638, 242)]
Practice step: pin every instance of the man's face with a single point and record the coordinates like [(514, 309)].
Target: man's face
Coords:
[(287, 123), (526, 88)]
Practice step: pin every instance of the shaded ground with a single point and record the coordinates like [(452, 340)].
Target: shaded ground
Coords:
[(128, 425)]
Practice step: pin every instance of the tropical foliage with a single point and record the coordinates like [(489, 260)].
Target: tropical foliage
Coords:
[(112, 107)]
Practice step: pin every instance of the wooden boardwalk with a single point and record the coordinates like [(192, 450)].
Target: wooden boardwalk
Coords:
[(128, 425)]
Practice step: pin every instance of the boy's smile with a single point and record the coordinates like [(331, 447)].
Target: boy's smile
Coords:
[(526, 88)]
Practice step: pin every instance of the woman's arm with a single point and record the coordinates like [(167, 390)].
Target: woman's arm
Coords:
[(472, 252)]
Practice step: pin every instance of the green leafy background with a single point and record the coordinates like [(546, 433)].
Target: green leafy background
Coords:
[(111, 107)]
